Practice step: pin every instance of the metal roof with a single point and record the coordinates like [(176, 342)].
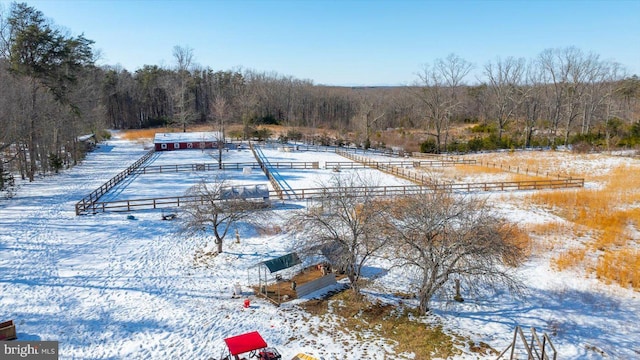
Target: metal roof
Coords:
[(181, 137), (282, 262)]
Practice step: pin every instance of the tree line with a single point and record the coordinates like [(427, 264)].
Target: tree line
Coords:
[(52, 92)]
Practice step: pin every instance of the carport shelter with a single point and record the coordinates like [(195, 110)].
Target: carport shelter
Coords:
[(273, 266)]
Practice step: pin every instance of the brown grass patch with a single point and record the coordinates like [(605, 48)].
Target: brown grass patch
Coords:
[(482, 348), (141, 134), (519, 238), (569, 259), (549, 235), (548, 228), (620, 266), (610, 214), (477, 169), (358, 316), (269, 230)]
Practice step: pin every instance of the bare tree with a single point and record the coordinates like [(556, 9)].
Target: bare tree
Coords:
[(567, 71), (345, 225), (219, 109), (370, 111), (184, 60), (505, 85), (602, 82), (9, 94), (215, 207), (443, 238), (438, 88)]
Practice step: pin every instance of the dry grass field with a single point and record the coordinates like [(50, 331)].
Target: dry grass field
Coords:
[(599, 230), (142, 134), (598, 226)]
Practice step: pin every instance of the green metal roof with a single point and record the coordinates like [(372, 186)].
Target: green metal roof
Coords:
[(282, 262)]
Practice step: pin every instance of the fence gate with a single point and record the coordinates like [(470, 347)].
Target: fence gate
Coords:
[(533, 349)]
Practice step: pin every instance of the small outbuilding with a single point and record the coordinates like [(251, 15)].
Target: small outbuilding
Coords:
[(257, 191), (273, 266), (88, 141), (187, 140)]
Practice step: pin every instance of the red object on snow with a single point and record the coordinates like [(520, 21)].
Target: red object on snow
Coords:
[(244, 343), (247, 302)]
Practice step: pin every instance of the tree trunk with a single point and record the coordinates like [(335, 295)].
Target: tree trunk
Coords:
[(219, 244), (31, 144), (423, 307)]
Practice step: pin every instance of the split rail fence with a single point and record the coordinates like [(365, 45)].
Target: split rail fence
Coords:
[(155, 169), (274, 183), (402, 169), (316, 193), (91, 204), (95, 195)]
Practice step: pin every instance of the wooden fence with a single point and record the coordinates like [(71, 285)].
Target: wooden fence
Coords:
[(91, 205), (401, 168), (225, 166), (95, 195), (535, 349), (302, 165), (524, 170), (315, 285), (316, 193), (405, 164), (265, 169)]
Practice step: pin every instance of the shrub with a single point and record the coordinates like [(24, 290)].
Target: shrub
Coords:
[(262, 134), (294, 135), (457, 147), (267, 120), (104, 134), (55, 162), (484, 128), (475, 144), (581, 148), (429, 146), (633, 137)]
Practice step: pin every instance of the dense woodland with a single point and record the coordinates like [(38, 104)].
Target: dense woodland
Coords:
[(52, 92)]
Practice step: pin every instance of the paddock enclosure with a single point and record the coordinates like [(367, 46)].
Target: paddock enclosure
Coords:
[(159, 179)]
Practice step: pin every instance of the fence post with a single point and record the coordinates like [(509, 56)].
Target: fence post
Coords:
[(513, 343)]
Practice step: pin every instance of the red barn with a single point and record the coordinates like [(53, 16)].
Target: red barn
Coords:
[(186, 140)]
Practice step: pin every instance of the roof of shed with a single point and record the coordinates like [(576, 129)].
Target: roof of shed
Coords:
[(255, 191), (180, 137), (282, 262)]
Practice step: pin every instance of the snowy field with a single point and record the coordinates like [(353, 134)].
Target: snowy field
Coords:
[(107, 287), (170, 183)]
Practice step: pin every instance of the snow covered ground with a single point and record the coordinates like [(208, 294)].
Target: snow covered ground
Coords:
[(109, 287)]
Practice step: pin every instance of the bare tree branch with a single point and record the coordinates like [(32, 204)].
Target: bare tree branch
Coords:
[(346, 226), (215, 208), (440, 237)]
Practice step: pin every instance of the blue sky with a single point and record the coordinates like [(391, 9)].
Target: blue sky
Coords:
[(347, 42)]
